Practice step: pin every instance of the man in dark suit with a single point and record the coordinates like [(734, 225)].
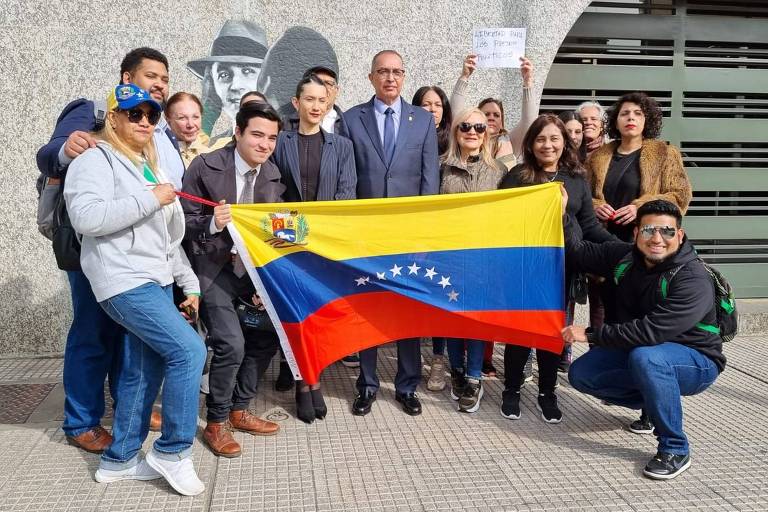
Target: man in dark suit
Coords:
[(92, 350), (237, 173), (396, 155)]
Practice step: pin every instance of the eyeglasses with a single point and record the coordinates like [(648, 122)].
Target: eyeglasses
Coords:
[(385, 72), (329, 83), (666, 232), (479, 127), (136, 114)]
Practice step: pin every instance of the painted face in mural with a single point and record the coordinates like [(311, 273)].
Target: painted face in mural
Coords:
[(387, 77), (231, 81)]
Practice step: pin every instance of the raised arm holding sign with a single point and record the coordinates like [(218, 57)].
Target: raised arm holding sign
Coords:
[(499, 47)]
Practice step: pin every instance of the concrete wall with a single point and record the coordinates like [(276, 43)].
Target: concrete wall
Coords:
[(55, 51)]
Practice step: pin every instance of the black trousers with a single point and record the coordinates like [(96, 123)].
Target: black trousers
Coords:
[(239, 359), (408, 368), (515, 357)]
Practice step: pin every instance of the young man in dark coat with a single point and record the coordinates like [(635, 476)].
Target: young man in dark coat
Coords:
[(664, 342)]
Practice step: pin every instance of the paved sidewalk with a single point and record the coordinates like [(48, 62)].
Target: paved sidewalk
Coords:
[(388, 461)]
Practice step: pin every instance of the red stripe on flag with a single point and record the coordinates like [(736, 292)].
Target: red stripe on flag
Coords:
[(366, 320)]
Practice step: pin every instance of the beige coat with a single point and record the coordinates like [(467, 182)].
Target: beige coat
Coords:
[(662, 175), (458, 177)]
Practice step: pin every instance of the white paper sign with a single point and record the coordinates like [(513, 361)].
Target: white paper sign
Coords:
[(498, 47)]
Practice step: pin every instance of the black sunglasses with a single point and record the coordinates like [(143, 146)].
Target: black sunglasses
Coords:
[(135, 115), (479, 127)]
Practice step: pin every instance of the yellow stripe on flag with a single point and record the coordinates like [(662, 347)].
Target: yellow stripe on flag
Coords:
[(339, 230)]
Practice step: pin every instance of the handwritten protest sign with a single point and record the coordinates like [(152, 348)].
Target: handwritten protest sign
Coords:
[(499, 47)]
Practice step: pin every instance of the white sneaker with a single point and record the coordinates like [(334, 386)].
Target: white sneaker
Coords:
[(179, 473), (141, 471)]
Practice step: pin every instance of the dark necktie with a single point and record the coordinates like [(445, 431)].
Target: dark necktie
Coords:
[(389, 135), (246, 197)]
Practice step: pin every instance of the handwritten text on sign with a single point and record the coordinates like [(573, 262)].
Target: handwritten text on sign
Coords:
[(499, 47)]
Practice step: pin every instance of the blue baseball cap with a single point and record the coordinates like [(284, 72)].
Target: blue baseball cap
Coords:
[(127, 96)]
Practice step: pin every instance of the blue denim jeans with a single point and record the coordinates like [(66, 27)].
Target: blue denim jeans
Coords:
[(92, 354), (652, 378), (473, 349), (160, 344)]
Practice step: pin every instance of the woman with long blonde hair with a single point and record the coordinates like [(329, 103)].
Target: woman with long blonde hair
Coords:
[(132, 225), (468, 166)]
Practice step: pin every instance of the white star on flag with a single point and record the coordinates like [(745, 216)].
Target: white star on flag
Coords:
[(430, 273), (382, 275), (453, 296), (445, 281), (362, 281), (413, 269), (396, 270)]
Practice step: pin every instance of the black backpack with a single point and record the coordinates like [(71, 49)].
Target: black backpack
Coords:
[(725, 302)]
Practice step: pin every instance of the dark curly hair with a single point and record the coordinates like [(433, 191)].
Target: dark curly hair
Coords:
[(444, 128), (649, 106)]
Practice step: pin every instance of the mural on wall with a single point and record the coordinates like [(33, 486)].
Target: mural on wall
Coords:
[(240, 60)]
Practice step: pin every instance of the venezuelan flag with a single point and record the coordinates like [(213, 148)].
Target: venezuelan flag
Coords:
[(341, 276)]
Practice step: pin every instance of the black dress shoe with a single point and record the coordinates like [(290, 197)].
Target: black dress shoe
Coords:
[(411, 404), (304, 409), (284, 380), (362, 404)]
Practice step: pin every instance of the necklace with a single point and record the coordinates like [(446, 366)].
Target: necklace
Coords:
[(553, 176)]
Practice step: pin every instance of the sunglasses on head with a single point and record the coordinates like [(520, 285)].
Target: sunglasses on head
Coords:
[(135, 115), (479, 127), (666, 232)]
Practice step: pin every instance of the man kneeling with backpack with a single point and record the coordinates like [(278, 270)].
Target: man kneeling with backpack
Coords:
[(663, 339)]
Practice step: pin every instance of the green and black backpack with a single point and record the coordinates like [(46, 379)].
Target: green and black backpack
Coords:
[(725, 303)]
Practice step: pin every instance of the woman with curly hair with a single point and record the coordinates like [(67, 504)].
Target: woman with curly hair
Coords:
[(630, 171), (636, 167)]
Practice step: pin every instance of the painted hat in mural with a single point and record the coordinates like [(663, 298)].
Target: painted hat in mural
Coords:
[(238, 42), (127, 96)]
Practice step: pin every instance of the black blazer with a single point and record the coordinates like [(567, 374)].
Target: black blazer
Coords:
[(212, 176), (338, 177)]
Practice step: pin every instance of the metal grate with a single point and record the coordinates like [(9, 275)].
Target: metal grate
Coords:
[(633, 6), (559, 100), (610, 52), (18, 402), (725, 154), (721, 105), (740, 8), (720, 54)]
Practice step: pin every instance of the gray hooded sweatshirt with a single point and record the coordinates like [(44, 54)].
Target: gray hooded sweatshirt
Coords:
[(127, 239)]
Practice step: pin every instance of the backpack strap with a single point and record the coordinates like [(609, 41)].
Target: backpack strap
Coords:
[(621, 267), (99, 114), (667, 277)]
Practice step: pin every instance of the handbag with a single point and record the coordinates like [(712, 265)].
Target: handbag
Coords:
[(46, 206), (251, 317)]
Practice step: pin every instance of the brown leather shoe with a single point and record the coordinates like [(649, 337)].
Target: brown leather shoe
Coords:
[(155, 421), (220, 440), (247, 422), (95, 440)]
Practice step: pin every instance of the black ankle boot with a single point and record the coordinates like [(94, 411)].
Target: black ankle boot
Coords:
[(318, 403), (304, 409)]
